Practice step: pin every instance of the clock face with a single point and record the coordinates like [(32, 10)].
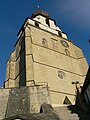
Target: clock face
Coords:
[(64, 43)]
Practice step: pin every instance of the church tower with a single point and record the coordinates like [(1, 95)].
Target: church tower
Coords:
[(45, 56)]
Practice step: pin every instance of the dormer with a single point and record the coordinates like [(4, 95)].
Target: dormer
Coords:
[(42, 20), (48, 23)]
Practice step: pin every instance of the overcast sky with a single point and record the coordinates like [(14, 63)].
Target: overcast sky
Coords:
[(72, 16)]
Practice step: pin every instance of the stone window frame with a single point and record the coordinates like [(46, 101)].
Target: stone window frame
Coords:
[(47, 21), (61, 74), (59, 33), (36, 24), (64, 43), (67, 52), (44, 43)]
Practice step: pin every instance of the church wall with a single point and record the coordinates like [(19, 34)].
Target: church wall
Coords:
[(58, 98), (6, 84), (11, 80), (20, 74), (17, 79), (13, 55), (29, 70), (7, 70), (11, 83), (17, 67), (52, 53), (44, 61), (83, 65), (81, 60), (29, 57), (54, 59), (10, 71), (57, 81), (53, 41), (28, 40), (78, 52)]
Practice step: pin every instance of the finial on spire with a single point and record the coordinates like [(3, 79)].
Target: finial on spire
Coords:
[(38, 6)]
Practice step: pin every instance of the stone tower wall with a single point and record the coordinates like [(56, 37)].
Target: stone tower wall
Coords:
[(53, 63), (45, 57)]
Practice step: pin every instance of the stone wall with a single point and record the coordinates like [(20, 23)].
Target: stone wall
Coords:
[(23, 100), (55, 60), (4, 95)]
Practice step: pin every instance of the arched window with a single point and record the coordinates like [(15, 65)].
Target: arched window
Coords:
[(64, 43), (47, 21), (67, 52), (44, 42), (59, 33), (36, 24)]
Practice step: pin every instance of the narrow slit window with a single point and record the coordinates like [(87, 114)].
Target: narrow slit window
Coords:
[(59, 33), (67, 52), (44, 42), (36, 24), (47, 22)]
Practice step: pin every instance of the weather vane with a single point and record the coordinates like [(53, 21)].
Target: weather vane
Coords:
[(38, 6)]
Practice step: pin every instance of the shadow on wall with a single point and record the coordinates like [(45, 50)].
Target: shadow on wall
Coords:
[(18, 102), (22, 63)]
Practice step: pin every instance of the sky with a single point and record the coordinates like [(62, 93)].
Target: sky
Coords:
[(72, 16)]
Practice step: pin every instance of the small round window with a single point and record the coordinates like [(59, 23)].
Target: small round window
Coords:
[(64, 43), (61, 75), (44, 42)]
